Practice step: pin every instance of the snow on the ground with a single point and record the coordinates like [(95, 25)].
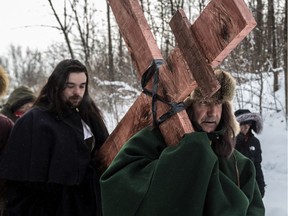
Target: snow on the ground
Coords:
[(274, 142)]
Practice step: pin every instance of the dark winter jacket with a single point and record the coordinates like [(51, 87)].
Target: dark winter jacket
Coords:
[(6, 125), (147, 178), (5, 128), (48, 165), (249, 146)]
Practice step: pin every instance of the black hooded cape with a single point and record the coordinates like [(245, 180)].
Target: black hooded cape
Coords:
[(48, 167)]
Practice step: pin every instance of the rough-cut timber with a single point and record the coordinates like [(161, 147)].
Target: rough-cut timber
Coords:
[(201, 47), (144, 50), (193, 54), (230, 21)]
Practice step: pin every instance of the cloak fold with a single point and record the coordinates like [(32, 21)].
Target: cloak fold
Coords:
[(148, 178), (48, 169)]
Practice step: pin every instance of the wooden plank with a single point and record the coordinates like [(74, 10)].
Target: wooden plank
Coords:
[(136, 33), (141, 42), (143, 49), (182, 76), (138, 116), (140, 113), (228, 22), (193, 54)]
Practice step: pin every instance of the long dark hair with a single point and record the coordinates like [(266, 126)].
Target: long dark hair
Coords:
[(50, 98), (223, 146), (228, 122)]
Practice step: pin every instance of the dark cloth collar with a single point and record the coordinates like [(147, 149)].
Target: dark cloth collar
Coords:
[(215, 135)]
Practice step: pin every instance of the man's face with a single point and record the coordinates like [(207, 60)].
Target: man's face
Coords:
[(74, 89), (207, 115)]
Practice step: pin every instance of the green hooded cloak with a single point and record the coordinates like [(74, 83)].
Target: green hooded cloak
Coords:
[(147, 178)]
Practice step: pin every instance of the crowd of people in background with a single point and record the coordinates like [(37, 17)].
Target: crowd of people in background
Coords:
[(49, 143)]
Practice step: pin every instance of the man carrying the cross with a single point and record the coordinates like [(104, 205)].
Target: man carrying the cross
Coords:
[(202, 175)]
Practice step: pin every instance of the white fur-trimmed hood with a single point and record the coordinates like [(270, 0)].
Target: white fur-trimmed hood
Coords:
[(245, 116)]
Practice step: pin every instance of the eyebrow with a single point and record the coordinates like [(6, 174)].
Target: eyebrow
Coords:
[(75, 83)]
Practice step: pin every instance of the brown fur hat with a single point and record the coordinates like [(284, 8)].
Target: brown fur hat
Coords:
[(226, 91), (224, 95), (4, 81)]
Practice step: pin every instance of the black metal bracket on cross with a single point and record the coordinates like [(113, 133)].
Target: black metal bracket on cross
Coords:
[(153, 72)]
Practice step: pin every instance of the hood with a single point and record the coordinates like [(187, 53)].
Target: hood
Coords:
[(19, 97), (244, 116)]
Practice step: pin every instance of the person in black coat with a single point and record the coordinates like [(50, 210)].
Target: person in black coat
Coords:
[(49, 161), (6, 125), (248, 144)]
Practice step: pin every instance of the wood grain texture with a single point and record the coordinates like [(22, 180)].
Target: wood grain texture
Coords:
[(143, 49), (193, 54), (136, 33), (200, 47), (226, 24)]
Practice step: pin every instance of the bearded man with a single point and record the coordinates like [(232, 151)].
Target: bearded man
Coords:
[(48, 159)]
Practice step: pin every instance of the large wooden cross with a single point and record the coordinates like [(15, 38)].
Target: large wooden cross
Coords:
[(201, 46)]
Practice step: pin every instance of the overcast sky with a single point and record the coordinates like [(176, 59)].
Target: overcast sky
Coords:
[(21, 21)]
